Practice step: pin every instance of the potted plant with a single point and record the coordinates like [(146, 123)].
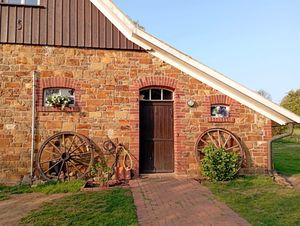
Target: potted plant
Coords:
[(101, 172), (56, 100)]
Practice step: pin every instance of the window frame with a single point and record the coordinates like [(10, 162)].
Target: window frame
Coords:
[(59, 88), (227, 107), (161, 94)]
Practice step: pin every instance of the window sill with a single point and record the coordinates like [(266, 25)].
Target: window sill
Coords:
[(53, 109), (21, 5), (220, 120)]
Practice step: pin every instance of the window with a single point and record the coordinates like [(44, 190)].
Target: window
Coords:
[(156, 94), (26, 2), (219, 111), (61, 92)]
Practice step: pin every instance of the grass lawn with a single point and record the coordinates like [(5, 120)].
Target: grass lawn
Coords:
[(286, 157), (297, 131), (259, 200), (48, 188), (112, 207)]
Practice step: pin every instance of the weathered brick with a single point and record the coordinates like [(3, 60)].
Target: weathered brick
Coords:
[(107, 92), (54, 125), (68, 126)]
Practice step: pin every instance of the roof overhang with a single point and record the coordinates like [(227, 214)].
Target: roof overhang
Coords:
[(194, 68)]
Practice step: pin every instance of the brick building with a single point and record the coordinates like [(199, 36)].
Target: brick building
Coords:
[(123, 83)]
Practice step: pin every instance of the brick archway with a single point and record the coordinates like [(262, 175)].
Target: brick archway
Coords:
[(163, 82)]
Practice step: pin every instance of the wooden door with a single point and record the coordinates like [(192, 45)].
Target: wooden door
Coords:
[(156, 137)]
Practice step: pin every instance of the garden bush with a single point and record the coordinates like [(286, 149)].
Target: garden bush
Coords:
[(220, 165)]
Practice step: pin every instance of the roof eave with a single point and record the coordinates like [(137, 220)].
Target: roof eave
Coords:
[(194, 68)]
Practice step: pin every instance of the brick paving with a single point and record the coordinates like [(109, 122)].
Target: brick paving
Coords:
[(179, 201)]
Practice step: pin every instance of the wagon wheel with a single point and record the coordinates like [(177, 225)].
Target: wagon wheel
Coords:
[(65, 156), (220, 138)]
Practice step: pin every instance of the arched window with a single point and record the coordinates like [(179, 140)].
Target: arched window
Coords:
[(156, 94)]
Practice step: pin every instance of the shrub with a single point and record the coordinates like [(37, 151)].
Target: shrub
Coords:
[(220, 165)]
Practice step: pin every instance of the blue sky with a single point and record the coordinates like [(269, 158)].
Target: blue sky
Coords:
[(254, 42)]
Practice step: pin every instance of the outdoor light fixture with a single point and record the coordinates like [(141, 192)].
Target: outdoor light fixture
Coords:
[(191, 103)]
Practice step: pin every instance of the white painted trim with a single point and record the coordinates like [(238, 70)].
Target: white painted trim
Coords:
[(194, 68), (122, 22), (255, 96)]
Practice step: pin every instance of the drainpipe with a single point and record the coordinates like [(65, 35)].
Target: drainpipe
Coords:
[(34, 75), (270, 151)]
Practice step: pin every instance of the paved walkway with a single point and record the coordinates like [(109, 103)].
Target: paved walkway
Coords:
[(178, 201)]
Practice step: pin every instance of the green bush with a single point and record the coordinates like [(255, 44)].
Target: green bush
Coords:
[(220, 165)]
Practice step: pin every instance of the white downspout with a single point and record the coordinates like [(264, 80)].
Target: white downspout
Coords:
[(33, 123)]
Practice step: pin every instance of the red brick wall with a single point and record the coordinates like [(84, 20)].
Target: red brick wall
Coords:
[(108, 104)]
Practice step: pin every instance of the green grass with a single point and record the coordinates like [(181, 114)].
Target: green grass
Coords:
[(112, 207), (286, 157), (259, 200), (295, 137), (48, 188), (3, 197), (297, 131)]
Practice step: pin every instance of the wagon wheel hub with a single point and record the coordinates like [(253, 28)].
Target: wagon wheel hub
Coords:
[(66, 156)]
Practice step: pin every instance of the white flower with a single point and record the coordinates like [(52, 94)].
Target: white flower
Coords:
[(56, 100)]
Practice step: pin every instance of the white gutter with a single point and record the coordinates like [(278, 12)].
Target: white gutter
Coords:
[(34, 74)]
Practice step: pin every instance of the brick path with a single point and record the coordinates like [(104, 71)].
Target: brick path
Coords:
[(179, 201)]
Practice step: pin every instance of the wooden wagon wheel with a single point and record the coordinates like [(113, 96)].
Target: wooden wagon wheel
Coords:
[(220, 138), (65, 156)]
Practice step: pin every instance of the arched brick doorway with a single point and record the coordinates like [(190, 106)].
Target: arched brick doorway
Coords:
[(178, 103), (156, 130)]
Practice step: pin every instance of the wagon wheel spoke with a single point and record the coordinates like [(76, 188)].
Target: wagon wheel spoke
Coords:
[(67, 169), (77, 169), (233, 147), (71, 145), (64, 141), (50, 152), (56, 148), (220, 138), (203, 141), (50, 160), (78, 147), (80, 162), (53, 166), (61, 167), (228, 138), (81, 154), (210, 137), (74, 166)]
